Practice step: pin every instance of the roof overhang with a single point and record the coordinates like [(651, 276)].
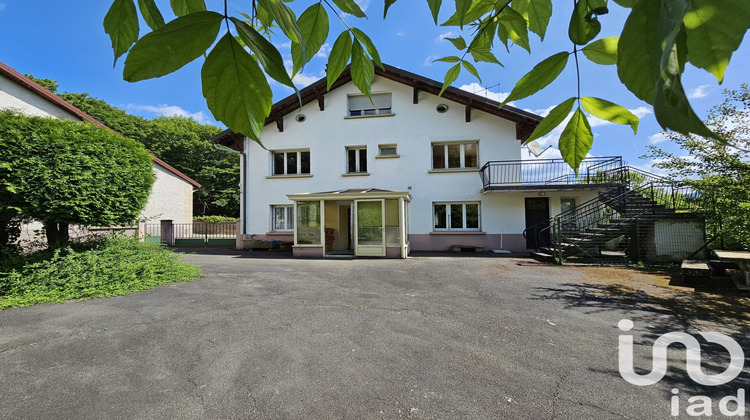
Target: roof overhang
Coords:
[(349, 194), (525, 121)]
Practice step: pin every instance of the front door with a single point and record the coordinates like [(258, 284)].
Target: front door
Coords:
[(537, 220), (369, 228)]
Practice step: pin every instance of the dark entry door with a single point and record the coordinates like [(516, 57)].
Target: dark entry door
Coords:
[(537, 219)]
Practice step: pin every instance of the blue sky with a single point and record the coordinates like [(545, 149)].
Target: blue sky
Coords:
[(65, 41)]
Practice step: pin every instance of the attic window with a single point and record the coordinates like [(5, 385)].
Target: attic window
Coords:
[(360, 105)]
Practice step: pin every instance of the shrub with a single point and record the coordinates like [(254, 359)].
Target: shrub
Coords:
[(108, 267), (213, 219)]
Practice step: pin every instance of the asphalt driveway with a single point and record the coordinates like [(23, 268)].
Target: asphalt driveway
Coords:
[(427, 337)]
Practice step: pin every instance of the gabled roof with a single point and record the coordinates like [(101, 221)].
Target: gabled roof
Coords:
[(525, 121), (43, 92)]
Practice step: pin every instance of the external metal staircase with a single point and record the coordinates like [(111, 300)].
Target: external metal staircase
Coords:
[(608, 227)]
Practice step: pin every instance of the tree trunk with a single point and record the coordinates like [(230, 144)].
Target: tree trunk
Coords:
[(57, 234)]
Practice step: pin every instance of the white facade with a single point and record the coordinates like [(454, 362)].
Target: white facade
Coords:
[(19, 98), (171, 198), (413, 129)]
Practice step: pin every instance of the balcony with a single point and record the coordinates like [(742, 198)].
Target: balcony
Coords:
[(551, 174)]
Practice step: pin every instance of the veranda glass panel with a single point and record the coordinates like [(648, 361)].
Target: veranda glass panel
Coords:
[(369, 223), (308, 222)]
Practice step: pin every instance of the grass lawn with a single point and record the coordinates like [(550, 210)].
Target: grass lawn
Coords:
[(108, 267)]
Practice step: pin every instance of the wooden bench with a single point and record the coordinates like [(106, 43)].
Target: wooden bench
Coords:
[(694, 270)]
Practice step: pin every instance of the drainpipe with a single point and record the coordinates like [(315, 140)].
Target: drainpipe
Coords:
[(243, 183)]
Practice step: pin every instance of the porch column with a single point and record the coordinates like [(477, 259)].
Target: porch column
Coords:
[(323, 226), (402, 226)]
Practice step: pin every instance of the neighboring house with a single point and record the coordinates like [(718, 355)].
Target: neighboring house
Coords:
[(411, 170), (172, 194)]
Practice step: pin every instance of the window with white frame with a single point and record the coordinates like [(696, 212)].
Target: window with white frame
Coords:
[(282, 218), (356, 159), (360, 105), (387, 150), (456, 216), (290, 162), (458, 155)]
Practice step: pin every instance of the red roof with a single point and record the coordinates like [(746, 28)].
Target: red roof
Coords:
[(51, 97)]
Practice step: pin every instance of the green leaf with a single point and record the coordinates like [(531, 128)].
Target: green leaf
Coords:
[(339, 57), (609, 111), (476, 10), (638, 51), (536, 12), (172, 46), (462, 7), (552, 120), (513, 27), (450, 76), (151, 14), (584, 25), (121, 24), (473, 70), (484, 55), (285, 18), (671, 106), (313, 23), (435, 8), (449, 59), (236, 89), (268, 56), (362, 69), (367, 42), (351, 7), (714, 31), (184, 7), (388, 4), (602, 51), (458, 42), (576, 140), (539, 77), (626, 3)]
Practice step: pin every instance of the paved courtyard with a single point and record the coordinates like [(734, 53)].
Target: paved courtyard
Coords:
[(427, 337)]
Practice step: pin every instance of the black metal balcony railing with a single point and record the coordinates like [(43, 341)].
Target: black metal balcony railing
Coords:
[(498, 175)]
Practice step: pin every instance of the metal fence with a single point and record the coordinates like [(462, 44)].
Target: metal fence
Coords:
[(221, 234), (547, 172)]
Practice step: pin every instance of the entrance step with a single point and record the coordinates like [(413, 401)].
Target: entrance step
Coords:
[(466, 248)]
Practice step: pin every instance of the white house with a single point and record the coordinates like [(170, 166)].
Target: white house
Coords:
[(172, 194), (406, 171)]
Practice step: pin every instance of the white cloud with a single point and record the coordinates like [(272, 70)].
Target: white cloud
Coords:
[(445, 35), (699, 93), (306, 79), (477, 89), (543, 112), (287, 44), (428, 61), (641, 111), (657, 138), (324, 50), (363, 4), (171, 111), (399, 33)]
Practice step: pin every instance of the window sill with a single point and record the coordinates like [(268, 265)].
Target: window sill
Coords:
[(356, 117), (387, 156), (457, 232), (356, 174), (457, 170), (289, 176)]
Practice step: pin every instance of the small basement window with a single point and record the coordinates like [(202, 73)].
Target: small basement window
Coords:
[(360, 105), (387, 150)]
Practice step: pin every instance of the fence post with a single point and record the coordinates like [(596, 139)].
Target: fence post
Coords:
[(141, 233), (637, 240), (167, 232)]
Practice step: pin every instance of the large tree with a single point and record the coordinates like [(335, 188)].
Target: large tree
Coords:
[(64, 172), (181, 142), (659, 38), (718, 168)]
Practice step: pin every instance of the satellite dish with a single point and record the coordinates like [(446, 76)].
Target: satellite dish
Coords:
[(536, 149)]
